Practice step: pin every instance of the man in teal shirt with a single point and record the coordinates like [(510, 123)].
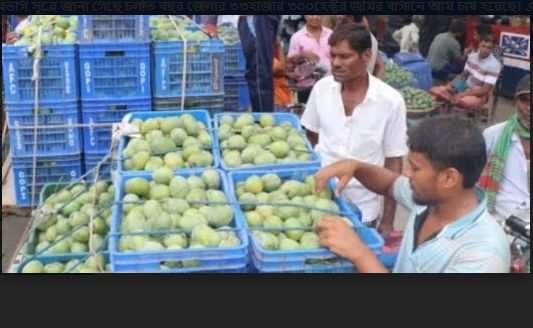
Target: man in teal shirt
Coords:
[(449, 229)]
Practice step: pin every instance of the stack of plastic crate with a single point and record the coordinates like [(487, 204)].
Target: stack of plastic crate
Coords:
[(189, 75), (236, 98), (115, 66), (44, 133)]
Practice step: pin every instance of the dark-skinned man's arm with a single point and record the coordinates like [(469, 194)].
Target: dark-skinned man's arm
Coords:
[(336, 234)]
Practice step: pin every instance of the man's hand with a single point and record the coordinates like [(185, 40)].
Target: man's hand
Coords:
[(311, 57), (335, 234), (343, 170), (11, 37), (385, 228)]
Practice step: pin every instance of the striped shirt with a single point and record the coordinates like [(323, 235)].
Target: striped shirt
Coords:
[(482, 71), (474, 243)]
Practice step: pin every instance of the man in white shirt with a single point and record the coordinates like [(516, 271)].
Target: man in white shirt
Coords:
[(409, 35), (375, 66), (354, 115), (473, 86), (506, 177)]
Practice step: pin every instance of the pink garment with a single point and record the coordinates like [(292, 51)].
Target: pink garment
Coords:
[(303, 41)]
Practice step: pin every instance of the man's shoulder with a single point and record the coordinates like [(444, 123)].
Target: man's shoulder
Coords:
[(485, 232), (386, 92), (493, 63), (298, 34), (325, 82), (493, 131), (327, 30)]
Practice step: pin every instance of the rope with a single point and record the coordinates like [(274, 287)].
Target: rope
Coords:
[(184, 67), (36, 78)]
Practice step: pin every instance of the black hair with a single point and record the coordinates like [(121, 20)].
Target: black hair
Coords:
[(357, 36), (483, 29), (486, 38), (451, 141), (457, 26), (358, 18)]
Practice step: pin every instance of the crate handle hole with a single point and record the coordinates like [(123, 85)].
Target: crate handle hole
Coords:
[(114, 53)]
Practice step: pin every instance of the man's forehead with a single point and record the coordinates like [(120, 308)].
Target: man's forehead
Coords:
[(342, 47), (418, 158)]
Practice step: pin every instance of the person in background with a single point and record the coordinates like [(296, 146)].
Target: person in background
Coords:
[(376, 66), (473, 86), (353, 114), (505, 178), (434, 25), (282, 93), (449, 228), (445, 55), (409, 35), (258, 37), (309, 50), (329, 21), (16, 24)]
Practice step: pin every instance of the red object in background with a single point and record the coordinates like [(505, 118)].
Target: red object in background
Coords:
[(393, 241), (496, 30)]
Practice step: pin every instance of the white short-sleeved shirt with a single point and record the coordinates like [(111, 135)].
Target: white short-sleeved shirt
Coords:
[(376, 130), (474, 243), (482, 71), (514, 191)]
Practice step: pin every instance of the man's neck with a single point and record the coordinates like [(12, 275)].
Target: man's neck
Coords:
[(360, 83), (456, 207), (314, 30)]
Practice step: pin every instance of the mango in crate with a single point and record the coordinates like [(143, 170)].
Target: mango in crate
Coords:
[(194, 204), (172, 142), (56, 29)]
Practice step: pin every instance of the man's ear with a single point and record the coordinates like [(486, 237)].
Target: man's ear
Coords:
[(451, 178), (367, 55)]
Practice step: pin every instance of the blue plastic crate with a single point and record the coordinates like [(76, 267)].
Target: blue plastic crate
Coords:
[(300, 260), (280, 118), (204, 69), (114, 71), (199, 115), (113, 28), (388, 259), (418, 66), (296, 260), (299, 174), (211, 259), (49, 113), (234, 61), (58, 74), (98, 139), (404, 58), (50, 141), (91, 160), (49, 170), (422, 74), (237, 96), (213, 103), (60, 258)]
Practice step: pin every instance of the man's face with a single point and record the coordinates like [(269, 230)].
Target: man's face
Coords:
[(523, 106), (423, 178), (313, 20), (346, 63), (485, 49)]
